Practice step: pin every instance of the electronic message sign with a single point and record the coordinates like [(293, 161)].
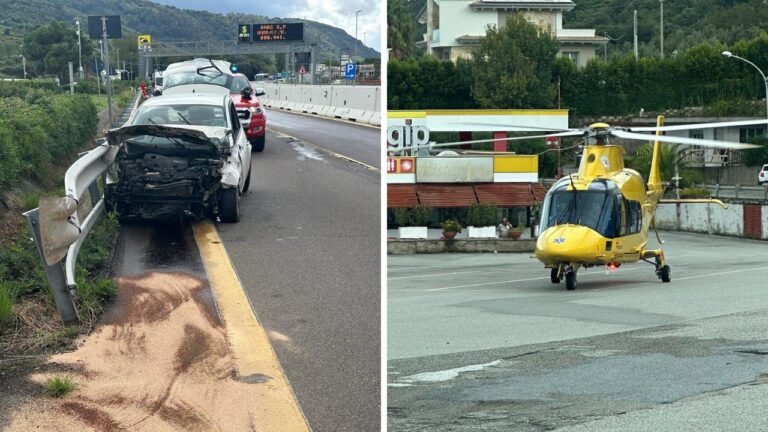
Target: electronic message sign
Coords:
[(278, 32)]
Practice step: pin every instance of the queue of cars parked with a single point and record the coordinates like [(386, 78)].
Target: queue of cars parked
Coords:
[(187, 150)]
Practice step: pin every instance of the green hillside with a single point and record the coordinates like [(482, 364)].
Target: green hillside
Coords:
[(164, 23), (686, 22)]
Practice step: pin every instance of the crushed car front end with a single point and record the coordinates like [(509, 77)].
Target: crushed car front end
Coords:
[(163, 172)]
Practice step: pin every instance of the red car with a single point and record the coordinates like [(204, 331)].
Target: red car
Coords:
[(252, 114)]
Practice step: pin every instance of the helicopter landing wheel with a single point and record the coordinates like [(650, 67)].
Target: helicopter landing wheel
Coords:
[(570, 280), (554, 276), (664, 274)]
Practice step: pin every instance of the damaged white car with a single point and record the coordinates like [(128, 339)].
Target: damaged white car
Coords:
[(181, 155)]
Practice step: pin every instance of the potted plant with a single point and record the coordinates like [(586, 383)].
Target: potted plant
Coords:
[(413, 222), (450, 227), (516, 231), (481, 220)]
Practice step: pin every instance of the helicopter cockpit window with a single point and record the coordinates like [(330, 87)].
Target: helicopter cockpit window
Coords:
[(601, 208)]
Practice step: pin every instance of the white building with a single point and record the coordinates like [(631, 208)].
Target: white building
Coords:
[(455, 27)]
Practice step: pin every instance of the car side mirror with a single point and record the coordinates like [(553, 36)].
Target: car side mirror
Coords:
[(246, 93)]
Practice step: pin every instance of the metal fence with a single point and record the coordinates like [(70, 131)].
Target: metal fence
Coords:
[(738, 191)]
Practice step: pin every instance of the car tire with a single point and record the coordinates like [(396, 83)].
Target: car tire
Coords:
[(247, 182), (229, 205), (257, 145)]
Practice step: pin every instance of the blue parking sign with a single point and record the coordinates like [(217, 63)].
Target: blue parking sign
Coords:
[(350, 70)]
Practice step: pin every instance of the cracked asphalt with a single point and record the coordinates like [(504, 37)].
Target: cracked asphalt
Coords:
[(485, 342)]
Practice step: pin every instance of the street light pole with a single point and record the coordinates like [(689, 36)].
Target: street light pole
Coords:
[(354, 59), (356, 15), (79, 49), (765, 79)]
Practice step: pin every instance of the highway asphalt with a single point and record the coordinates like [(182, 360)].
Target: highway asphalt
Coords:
[(487, 342), (307, 252), (359, 142)]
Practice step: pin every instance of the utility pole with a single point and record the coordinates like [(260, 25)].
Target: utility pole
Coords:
[(636, 54), (79, 49), (354, 59), (661, 28), (108, 84)]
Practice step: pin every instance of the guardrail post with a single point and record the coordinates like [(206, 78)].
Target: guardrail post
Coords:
[(717, 190), (55, 274), (736, 190)]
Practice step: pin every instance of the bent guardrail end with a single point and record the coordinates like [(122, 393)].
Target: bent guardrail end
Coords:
[(57, 232)]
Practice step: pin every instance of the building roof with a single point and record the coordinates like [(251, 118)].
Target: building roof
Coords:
[(523, 4)]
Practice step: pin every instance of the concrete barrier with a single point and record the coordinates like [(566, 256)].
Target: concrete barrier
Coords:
[(409, 247), (361, 104), (709, 219)]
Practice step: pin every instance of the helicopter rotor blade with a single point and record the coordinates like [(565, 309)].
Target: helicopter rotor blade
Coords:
[(682, 140), (698, 126), (520, 127), (455, 143)]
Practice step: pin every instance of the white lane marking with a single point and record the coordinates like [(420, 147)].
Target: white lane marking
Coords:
[(332, 153), (507, 281), (439, 376), (720, 273), (434, 274)]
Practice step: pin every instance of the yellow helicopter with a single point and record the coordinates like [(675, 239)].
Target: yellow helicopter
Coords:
[(601, 215)]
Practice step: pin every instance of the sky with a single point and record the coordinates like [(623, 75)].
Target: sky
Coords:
[(338, 13)]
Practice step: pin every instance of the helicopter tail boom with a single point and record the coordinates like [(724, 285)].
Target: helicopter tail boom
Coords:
[(654, 177)]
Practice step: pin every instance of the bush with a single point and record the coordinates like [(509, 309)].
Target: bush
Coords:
[(694, 193), (6, 303), (451, 225), (482, 215), (421, 215), (402, 216), (61, 124)]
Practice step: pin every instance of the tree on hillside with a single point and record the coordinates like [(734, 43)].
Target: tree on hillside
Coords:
[(49, 48), (513, 66), (400, 30)]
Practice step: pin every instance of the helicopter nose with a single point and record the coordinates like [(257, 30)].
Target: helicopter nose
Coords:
[(568, 244)]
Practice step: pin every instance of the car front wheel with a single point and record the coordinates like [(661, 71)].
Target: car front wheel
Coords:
[(230, 205), (257, 145)]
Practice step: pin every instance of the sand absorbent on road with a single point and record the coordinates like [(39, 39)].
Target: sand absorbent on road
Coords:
[(158, 361)]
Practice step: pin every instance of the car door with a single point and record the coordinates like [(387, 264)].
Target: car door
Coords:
[(242, 148)]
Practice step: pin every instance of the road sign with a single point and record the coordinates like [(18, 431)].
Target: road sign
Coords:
[(350, 71), (244, 33), (302, 70), (145, 39)]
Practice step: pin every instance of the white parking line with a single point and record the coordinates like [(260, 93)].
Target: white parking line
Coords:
[(434, 274)]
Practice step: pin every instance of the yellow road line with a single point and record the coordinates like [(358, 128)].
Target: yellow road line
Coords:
[(247, 339)]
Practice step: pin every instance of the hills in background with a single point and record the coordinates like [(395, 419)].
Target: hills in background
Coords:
[(167, 23)]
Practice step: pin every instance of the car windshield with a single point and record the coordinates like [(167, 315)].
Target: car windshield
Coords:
[(238, 84), (207, 76), (181, 114)]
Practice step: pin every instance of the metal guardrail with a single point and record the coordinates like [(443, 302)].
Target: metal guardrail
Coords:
[(56, 228), (738, 191)]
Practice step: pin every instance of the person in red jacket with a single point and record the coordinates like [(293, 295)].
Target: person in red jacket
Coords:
[(143, 88)]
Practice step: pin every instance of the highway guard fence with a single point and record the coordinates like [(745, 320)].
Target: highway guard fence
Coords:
[(60, 225)]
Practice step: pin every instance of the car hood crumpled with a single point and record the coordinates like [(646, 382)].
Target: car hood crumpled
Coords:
[(210, 135)]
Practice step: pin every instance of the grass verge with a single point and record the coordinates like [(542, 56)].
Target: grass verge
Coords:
[(58, 386)]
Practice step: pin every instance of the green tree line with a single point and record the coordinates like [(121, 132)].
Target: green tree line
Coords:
[(701, 76)]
